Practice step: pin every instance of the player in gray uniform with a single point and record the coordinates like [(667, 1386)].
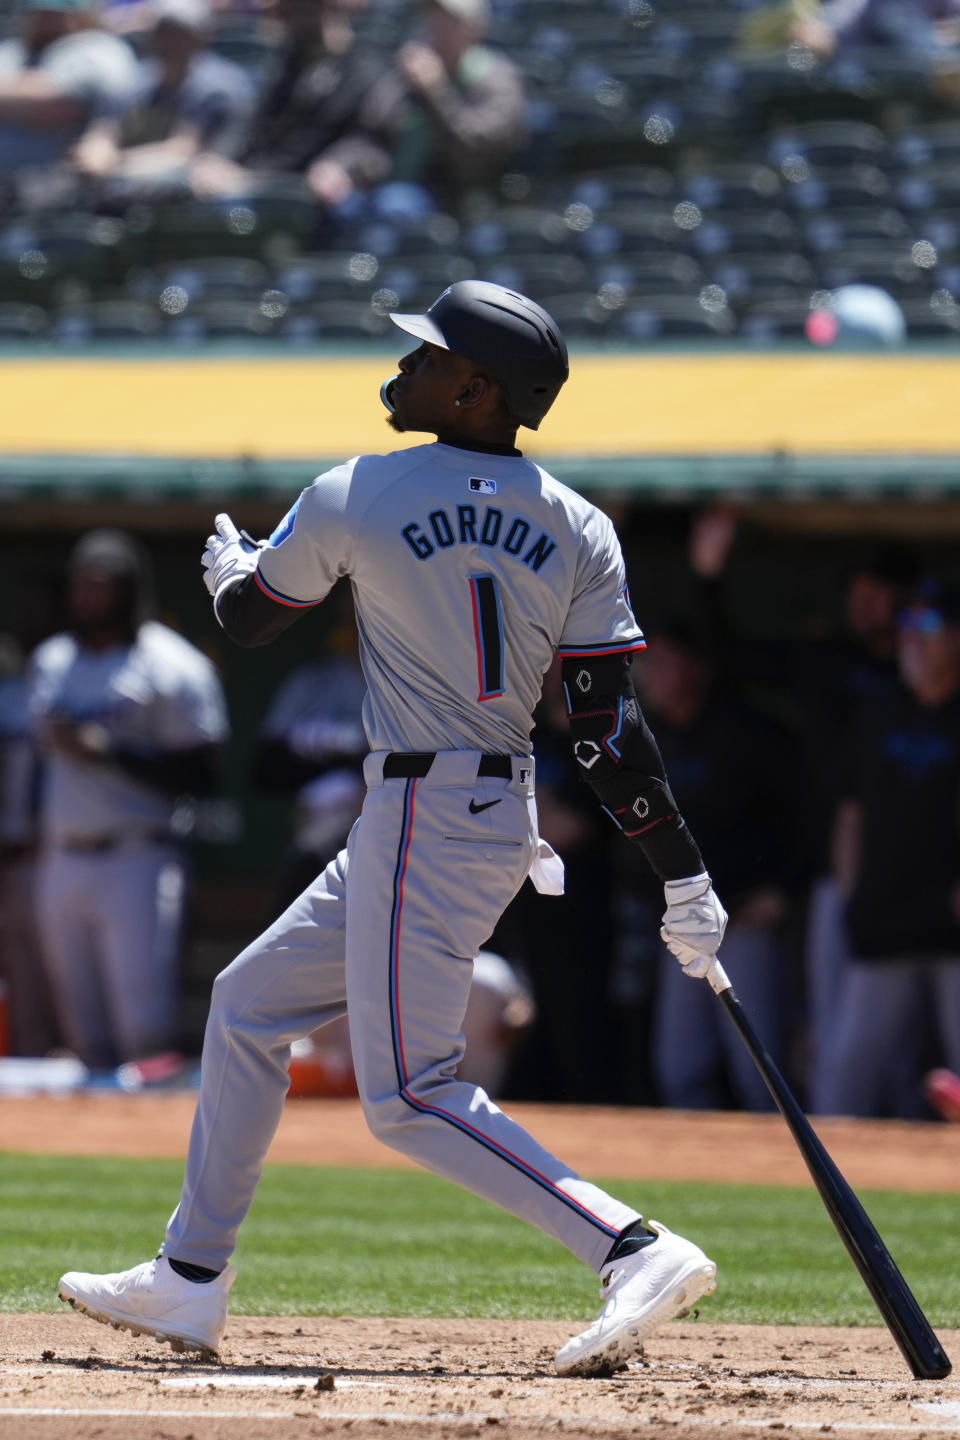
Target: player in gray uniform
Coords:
[(471, 567), (128, 716)]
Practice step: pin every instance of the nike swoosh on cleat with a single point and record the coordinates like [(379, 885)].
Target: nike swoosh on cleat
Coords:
[(475, 808)]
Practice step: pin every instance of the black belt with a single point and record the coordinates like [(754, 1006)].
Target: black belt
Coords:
[(413, 766)]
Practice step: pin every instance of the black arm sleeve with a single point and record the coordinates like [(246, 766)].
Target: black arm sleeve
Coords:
[(618, 756), (250, 617)]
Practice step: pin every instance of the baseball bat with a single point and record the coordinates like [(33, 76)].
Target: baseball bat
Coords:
[(892, 1296)]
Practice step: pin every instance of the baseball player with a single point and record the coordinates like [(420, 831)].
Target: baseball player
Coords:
[(471, 567), (128, 716)]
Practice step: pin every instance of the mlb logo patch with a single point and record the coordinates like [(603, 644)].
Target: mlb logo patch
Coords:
[(482, 487)]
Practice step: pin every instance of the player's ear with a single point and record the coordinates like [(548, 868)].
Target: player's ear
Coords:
[(473, 391)]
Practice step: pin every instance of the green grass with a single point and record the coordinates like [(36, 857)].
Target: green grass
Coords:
[(382, 1242)]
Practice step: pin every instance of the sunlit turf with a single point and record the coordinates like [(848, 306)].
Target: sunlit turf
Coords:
[(383, 1242)]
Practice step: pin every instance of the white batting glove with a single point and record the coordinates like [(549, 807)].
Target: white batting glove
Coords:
[(693, 923), (228, 557)]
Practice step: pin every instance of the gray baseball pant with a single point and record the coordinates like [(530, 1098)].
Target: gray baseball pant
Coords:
[(110, 929), (388, 931)]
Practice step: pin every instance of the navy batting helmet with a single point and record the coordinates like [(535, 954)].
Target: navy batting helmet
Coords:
[(508, 334)]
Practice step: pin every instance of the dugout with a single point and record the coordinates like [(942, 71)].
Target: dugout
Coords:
[(819, 456)]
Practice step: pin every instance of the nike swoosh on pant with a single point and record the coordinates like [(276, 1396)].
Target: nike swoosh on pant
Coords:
[(475, 808)]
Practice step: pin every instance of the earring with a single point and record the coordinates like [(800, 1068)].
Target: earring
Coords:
[(456, 402)]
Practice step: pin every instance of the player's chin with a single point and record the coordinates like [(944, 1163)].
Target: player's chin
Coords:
[(396, 423)]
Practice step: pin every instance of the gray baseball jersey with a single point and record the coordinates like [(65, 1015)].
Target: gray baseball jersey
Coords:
[(160, 693), (470, 571)]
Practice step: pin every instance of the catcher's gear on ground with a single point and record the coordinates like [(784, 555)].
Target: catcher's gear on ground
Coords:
[(693, 923), (230, 554)]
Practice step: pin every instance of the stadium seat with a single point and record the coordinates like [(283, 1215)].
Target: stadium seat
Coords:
[(106, 320), (837, 227), (659, 273), (890, 265), (673, 317), (435, 234), (744, 231), (22, 321), (830, 143), (418, 279), (929, 187), (776, 318), (835, 187), (213, 277), (936, 317), (730, 185), (647, 75), (203, 320), (581, 314), (87, 249), (346, 320), (620, 186), (630, 229), (284, 215), (328, 275), (942, 229), (535, 274), (517, 231), (934, 142), (751, 277)]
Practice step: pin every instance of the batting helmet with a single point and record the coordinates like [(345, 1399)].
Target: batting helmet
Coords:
[(508, 334)]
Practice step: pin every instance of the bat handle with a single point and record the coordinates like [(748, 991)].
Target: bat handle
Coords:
[(717, 978)]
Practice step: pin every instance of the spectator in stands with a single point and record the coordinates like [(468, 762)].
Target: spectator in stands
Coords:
[(188, 101), (61, 73), (898, 862), (312, 121), (733, 772), (925, 28), (455, 108), (128, 717)]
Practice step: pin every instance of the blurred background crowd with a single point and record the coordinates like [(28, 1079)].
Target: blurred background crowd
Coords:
[(679, 169), (651, 171)]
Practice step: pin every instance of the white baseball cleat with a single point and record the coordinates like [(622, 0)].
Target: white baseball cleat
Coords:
[(152, 1299), (640, 1292)]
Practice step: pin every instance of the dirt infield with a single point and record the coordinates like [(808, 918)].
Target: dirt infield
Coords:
[(62, 1376)]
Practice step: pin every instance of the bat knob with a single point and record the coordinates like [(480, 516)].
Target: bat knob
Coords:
[(717, 978)]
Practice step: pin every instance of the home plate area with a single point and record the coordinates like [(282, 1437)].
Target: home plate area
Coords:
[(62, 1376)]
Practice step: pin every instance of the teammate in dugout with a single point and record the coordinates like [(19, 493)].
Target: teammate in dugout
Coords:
[(471, 567)]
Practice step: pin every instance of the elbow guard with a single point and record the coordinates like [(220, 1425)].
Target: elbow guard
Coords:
[(618, 757)]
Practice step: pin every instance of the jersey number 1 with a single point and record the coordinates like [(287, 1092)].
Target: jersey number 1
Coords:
[(488, 631)]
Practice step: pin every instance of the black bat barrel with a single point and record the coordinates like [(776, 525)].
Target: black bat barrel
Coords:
[(892, 1296)]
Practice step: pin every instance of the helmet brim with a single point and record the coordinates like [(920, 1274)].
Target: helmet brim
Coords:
[(422, 327)]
